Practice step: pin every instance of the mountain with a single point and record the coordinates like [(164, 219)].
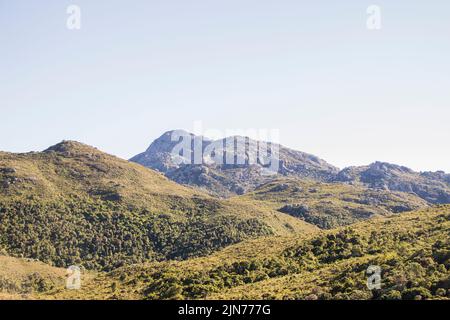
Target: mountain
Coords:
[(411, 249), (138, 235), (211, 173), (73, 204), (249, 162), (434, 187)]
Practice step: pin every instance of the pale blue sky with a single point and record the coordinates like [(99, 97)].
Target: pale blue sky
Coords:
[(309, 68)]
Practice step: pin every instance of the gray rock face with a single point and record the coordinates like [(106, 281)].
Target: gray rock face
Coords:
[(228, 166), (235, 165), (434, 187), (159, 155)]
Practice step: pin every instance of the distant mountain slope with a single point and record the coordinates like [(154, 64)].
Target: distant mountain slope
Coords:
[(73, 204), (434, 187), (412, 250), (221, 177), (329, 205), (226, 180)]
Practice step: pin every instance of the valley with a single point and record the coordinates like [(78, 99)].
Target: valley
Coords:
[(136, 234)]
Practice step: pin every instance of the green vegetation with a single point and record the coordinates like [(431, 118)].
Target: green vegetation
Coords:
[(330, 205), (413, 251), (138, 235), (105, 235), (73, 204)]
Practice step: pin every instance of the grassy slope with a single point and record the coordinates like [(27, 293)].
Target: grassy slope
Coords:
[(412, 249), (73, 204), (25, 278)]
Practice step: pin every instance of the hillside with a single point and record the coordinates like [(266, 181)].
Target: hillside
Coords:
[(24, 278), (214, 174), (138, 235), (329, 205), (73, 204), (412, 249)]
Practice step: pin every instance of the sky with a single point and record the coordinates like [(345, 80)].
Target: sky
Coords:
[(310, 69)]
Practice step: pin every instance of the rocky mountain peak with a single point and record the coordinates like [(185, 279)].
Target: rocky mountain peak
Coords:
[(230, 165), (236, 164), (434, 187)]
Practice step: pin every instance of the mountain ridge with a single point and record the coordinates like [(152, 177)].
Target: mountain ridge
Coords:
[(227, 180), (433, 187), (249, 166)]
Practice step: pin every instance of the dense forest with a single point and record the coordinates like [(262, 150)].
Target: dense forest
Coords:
[(411, 250), (105, 235)]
